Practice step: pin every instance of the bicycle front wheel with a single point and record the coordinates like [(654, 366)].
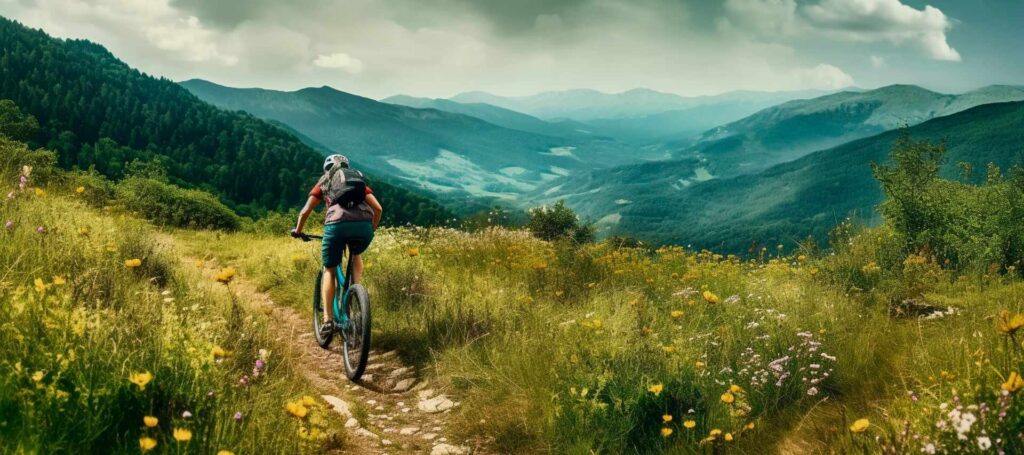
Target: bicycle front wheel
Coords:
[(357, 335)]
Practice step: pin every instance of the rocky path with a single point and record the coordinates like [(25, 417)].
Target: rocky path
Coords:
[(391, 410)]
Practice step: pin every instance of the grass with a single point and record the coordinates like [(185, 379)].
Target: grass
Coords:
[(91, 306)]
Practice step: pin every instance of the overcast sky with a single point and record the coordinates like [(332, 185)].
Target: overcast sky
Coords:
[(439, 48)]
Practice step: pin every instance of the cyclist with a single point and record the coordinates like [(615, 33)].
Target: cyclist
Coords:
[(350, 224)]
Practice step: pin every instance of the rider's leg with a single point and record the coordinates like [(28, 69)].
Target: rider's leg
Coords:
[(357, 268), (328, 288)]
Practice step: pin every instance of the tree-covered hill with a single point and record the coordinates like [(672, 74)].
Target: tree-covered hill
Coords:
[(96, 111)]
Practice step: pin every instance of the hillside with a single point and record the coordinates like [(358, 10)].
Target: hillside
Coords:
[(452, 155), (788, 131), (96, 111), (789, 201), (499, 116)]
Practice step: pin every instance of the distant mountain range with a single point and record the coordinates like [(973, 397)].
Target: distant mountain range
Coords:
[(449, 154), (786, 202)]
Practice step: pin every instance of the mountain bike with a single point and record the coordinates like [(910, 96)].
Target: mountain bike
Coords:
[(351, 317)]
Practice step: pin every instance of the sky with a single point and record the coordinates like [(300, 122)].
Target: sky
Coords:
[(438, 48)]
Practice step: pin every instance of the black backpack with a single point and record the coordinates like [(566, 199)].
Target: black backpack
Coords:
[(344, 187)]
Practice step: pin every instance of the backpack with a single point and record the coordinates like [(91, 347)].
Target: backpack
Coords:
[(344, 187)]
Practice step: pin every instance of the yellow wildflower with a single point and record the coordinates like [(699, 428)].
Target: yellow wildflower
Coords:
[(182, 435), (80, 190), (297, 409), (1010, 323), (150, 421), (668, 349), (146, 443), (666, 432), (710, 297), (308, 401), (656, 389), (801, 258), (38, 376), (728, 437), (749, 426), (200, 263), (735, 389), (40, 192), (666, 418), (413, 252), (225, 452), (860, 425), (133, 263), (689, 424), (715, 433), (59, 281), (728, 398), (40, 286), (226, 275), (870, 268), (141, 379), (677, 314), (1013, 383), (698, 364), (218, 352)]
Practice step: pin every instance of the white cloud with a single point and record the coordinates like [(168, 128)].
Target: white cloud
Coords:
[(877, 62), (339, 60), (865, 21), (885, 20), (822, 77)]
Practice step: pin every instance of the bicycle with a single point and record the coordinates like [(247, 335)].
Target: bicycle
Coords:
[(354, 327)]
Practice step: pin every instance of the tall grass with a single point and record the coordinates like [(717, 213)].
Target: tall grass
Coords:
[(91, 306)]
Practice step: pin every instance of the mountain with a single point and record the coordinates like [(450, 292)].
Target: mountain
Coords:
[(793, 129), (499, 116), (789, 201), (453, 155), (98, 112)]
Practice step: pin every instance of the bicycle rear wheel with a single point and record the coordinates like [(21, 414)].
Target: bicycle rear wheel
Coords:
[(318, 313), (356, 336)]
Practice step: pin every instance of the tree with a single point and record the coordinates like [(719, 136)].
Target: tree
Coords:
[(15, 124), (559, 222)]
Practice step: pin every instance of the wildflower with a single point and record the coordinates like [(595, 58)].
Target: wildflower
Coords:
[(80, 190), (413, 252), (870, 268), (218, 352), (39, 192), (133, 263), (59, 281), (308, 401), (40, 286), (225, 452), (9, 225), (40, 230), (1010, 324), (677, 314), (814, 271), (728, 398), (656, 389), (860, 425), (38, 376), (1013, 383), (801, 258), (710, 297), (666, 418), (668, 349), (296, 409), (715, 433), (141, 379), (226, 275), (749, 426), (735, 389), (150, 421), (186, 415), (699, 365), (689, 424), (237, 416), (984, 443), (666, 432), (728, 437), (147, 443), (200, 263), (182, 435)]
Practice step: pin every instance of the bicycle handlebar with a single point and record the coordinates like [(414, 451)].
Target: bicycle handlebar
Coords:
[(307, 237)]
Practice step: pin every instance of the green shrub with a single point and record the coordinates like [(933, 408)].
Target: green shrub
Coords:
[(166, 204), (559, 222)]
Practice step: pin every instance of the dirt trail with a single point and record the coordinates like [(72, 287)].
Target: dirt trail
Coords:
[(391, 410)]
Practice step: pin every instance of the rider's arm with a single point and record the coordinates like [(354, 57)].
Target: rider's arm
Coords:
[(311, 204), (377, 209)]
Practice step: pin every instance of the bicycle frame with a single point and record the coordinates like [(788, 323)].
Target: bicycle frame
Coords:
[(339, 308)]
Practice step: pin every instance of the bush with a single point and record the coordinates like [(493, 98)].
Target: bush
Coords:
[(166, 204), (559, 222)]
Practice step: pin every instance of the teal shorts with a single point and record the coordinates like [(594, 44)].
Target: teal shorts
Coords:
[(356, 235)]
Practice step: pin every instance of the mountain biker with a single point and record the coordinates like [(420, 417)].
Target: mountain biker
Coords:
[(348, 224)]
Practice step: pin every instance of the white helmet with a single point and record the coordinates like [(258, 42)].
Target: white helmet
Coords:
[(331, 160)]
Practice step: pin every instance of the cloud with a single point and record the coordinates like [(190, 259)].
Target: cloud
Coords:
[(884, 20), (822, 77), (877, 62), (861, 21), (340, 61)]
